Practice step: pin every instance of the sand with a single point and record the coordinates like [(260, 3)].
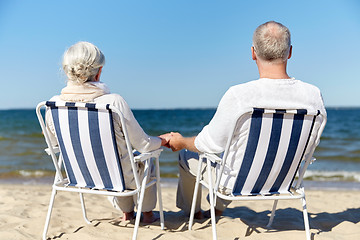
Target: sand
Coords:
[(332, 214)]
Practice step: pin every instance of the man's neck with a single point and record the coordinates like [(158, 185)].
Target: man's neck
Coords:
[(272, 70)]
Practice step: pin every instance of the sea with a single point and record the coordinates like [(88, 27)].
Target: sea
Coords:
[(23, 160)]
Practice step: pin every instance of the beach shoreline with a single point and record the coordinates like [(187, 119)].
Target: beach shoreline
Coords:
[(23, 207), (172, 183)]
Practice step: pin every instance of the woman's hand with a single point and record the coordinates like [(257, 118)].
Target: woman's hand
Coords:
[(165, 139)]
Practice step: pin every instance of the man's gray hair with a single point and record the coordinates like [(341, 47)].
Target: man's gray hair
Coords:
[(272, 42)]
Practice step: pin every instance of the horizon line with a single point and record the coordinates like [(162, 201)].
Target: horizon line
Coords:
[(179, 108)]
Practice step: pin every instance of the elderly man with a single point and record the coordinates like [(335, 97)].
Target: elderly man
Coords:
[(275, 90)]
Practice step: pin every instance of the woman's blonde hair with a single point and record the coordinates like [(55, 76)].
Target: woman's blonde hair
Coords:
[(82, 62)]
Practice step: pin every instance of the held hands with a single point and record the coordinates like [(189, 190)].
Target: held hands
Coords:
[(165, 139), (173, 140)]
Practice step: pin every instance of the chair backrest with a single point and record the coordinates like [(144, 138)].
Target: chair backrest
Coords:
[(277, 141), (86, 138)]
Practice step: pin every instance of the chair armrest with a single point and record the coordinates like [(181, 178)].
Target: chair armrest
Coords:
[(144, 156), (213, 157), (56, 150)]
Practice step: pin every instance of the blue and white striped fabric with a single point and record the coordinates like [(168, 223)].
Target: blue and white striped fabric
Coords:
[(276, 143), (87, 142)]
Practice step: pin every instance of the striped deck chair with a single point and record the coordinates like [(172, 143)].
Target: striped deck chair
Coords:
[(88, 151), (279, 146)]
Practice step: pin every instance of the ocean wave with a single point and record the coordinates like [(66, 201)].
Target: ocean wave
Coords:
[(34, 135), (339, 158), (27, 174), (28, 153), (345, 176), (4, 138), (356, 152)]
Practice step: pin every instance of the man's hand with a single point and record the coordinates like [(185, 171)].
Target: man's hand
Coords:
[(177, 141)]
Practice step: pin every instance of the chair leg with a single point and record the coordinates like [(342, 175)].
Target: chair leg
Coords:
[(306, 219), (48, 216), (83, 208), (272, 214), (196, 189), (158, 187), (212, 200), (140, 201)]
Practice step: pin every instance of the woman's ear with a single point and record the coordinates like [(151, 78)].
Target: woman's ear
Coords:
[(97, 77)]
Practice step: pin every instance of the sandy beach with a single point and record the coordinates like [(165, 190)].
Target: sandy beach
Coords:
[(333, 215)]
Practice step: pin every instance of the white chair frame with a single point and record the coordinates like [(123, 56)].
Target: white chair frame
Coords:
[(296, 192), (60, 182)]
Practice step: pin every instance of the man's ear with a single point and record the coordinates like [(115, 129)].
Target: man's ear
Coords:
[(290, 52), (253, 53)]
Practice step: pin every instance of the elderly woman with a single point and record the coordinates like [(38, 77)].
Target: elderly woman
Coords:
[(82, 64)]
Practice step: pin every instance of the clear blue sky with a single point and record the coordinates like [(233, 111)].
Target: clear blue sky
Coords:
[(170, 54)]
